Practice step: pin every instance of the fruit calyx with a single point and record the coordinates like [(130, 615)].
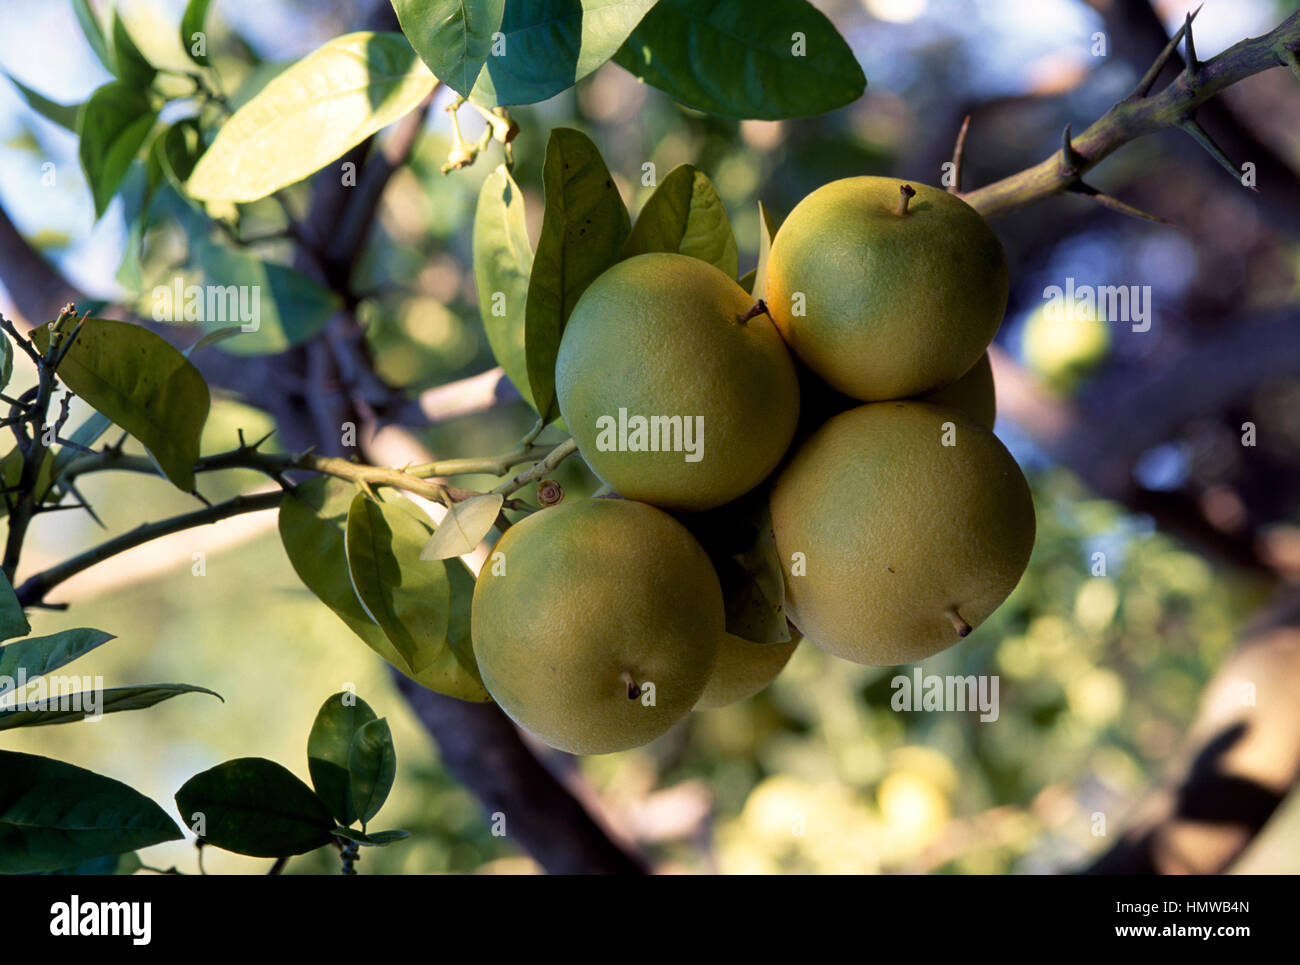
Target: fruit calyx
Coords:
[(633, 688)]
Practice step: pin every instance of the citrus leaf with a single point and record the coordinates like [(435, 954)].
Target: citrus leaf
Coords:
[(193, 22), (69, 708), (464, 527), (313, 521), (328, 102), (584, 227), (35, 656), (776, 59), (114, 126), (93, 31), (550, 45), (336, 723), (738, 538), (176, 150), (766, 232), (503, 259), (256, 807), (6, 361), (286, 308), (454, 37), (65, 115), (461, 581), (686, 215), (375, 839), (131, 65), (407, 600), (142, 383), (13, 622), (372, 766), (54, 815)]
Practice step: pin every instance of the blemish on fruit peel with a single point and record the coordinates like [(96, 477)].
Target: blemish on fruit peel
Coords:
[(932, 692), (656, 433)]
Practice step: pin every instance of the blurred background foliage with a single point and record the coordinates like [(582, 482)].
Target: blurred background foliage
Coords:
[(1100, 675)]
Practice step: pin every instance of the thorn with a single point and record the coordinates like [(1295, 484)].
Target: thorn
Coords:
[(1115, 204), (72, 488), (1192, 66), (202, 498), (958, 155), (1072, 162), (1202, 138), (1153, 72)]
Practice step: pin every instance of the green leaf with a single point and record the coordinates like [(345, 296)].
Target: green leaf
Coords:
[(6, 361), (376, 839), (176, 150), (94, 32), (313, 519), (132, 66), (67, 708), (13, 622), (766, 232), (328, 102), (461, 581), (503, 259), (454, 37), (127, 863), (337, 722), (256, 807), (54, 815), (193, 22), (372, 765), (65, 115), (583, 229), (464, 527), (39, 655), (286, 307), (550, 45), (738, 538), (142, 383), (409, 600), (686, 215), (114, 126), (742, 59)]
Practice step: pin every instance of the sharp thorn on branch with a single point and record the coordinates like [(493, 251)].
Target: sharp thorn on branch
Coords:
[(1115, 204), (1192, 66), (1153, 72), (1199, 134), (1072, 162), (958, 156)]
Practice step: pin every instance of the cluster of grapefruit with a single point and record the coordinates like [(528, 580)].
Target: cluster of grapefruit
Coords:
[(856, 397)]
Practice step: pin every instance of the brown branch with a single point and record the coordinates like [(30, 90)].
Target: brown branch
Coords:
[(1138, 116)]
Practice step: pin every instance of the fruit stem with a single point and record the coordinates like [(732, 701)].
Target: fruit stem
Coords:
[(961, 626), (633, 690), (905, 194), (758, 308)]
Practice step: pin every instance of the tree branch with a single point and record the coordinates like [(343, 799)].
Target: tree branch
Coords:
[(1141, 114), (32, 591)]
